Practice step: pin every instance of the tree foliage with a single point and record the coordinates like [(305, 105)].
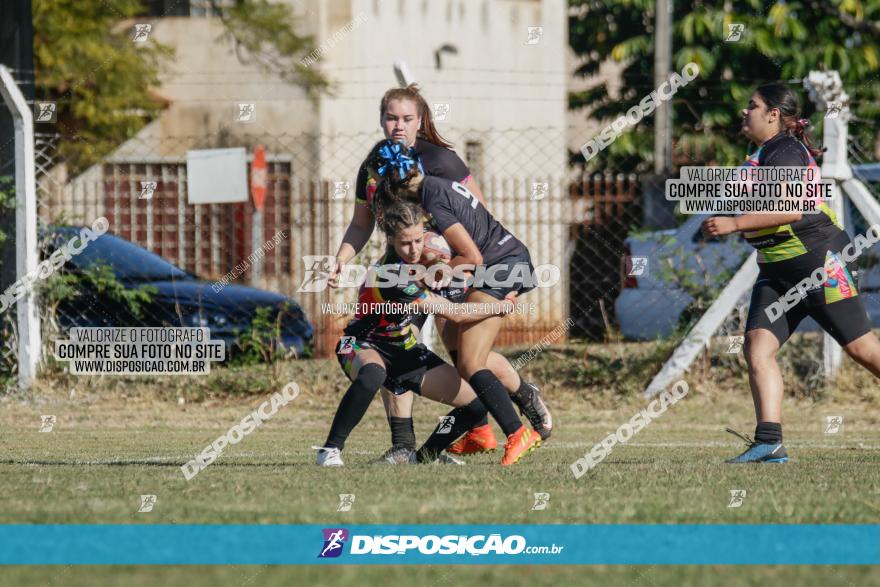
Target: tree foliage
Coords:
[(86, 61), (780, 41), (262, 33)]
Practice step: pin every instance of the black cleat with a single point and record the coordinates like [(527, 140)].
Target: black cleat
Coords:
[(397, 455), (534, 409)]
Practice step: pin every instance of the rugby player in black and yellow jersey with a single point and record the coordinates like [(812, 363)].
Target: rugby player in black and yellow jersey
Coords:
[(790, 248)]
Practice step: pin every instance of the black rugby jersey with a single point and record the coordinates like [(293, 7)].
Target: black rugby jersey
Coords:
[(436, 160), (449, 202), (812, 232)]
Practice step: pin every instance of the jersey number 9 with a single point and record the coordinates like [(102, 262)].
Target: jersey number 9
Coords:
[(466, 193)]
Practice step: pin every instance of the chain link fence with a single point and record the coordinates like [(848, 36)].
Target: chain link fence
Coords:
[(593, 226), (575, 221), (590, 225)]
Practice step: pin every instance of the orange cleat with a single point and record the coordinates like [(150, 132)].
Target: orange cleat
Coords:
[(518, 444), (475, 440)]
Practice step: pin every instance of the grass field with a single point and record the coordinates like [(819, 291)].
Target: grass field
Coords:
[(115, 440), (427, 576)]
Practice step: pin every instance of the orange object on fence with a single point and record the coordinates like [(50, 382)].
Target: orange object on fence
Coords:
[(259, 177)]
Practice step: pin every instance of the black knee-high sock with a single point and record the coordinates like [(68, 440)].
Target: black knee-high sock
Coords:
[(484, 421), (496, 399), (402, 432), (354, 404), (447, 431)]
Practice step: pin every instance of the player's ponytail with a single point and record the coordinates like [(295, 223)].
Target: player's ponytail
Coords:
[(398, 175), (427, 130), (781, 96), (400, 216)]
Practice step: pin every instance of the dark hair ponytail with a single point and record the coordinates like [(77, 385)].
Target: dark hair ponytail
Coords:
[(411, 92), (781, 97), (394, 184)]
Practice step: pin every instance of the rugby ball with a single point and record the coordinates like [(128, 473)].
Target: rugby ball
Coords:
[(436, 250)]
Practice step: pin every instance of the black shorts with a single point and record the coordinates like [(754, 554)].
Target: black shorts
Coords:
[(835, 306), (404, 369), (521, 259)]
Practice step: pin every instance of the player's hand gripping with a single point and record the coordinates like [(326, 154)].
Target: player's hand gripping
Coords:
[(718, 226), (333, 279)]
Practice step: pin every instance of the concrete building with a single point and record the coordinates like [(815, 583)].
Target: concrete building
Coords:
[(496, 68), (490, 78)]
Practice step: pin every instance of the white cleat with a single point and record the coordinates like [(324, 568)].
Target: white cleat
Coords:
[(328, 457)]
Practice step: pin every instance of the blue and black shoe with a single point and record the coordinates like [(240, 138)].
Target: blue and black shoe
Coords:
[(759, 452)]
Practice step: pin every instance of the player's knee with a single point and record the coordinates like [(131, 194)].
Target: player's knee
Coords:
[(863, 352), (758, 359), (758, 354), (855, 352), (370, 377), (466, 368), (496, 363)]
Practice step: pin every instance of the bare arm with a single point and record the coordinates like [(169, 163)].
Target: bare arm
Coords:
[(461, 242), (358, 233), (759, 221), (356, 236), (721, 225)]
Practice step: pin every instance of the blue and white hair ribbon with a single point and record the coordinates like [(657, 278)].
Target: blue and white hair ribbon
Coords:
[(396, 157)]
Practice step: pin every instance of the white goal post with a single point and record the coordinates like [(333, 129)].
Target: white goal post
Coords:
[(28, 319)]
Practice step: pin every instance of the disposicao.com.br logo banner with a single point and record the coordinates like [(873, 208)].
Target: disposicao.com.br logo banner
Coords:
[(430, 544), (460, 544)]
